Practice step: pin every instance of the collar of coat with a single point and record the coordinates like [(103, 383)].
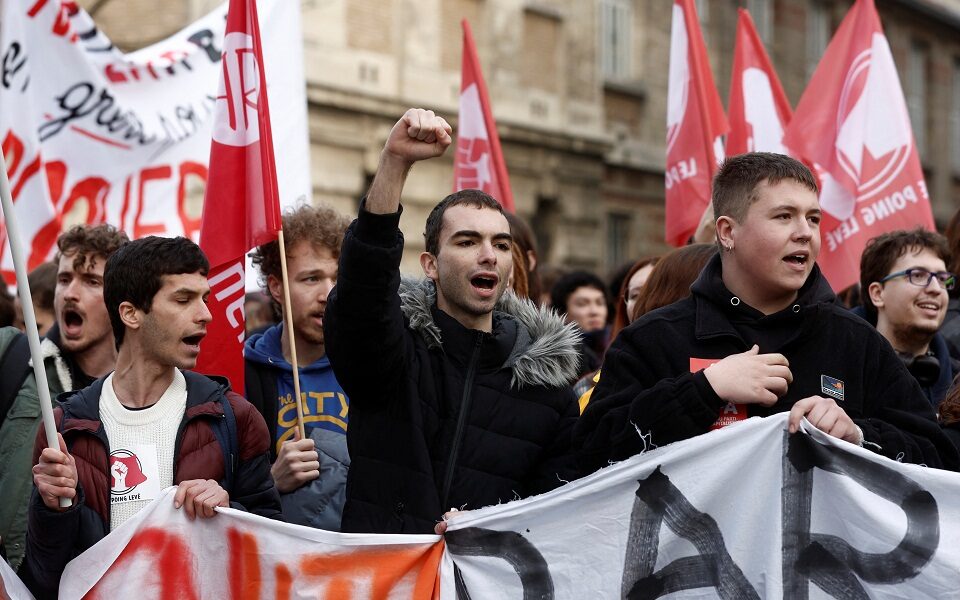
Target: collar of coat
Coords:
[(550, 357)]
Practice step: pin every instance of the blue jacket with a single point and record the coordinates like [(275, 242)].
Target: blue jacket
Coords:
[(269, 386)]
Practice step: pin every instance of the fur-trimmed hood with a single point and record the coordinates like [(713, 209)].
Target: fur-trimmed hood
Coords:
[(547, 351)]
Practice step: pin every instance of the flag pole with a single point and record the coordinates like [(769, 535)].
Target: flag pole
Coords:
[(288, 319), (29, 317)]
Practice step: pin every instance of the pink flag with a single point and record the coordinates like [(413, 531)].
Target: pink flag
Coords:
[(241, 208), (852, 123), (758, 109), (695, 126), (479, 161)]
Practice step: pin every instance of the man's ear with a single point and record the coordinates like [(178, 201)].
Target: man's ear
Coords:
[(131, 316), (875, 292), (725, 232), (428, 262), (275, 287)]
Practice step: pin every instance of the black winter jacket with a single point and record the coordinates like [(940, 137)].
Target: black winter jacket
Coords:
[(441, 416), (647, 386)]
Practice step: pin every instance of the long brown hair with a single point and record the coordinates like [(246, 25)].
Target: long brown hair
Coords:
[(672, 277), (949, 408)]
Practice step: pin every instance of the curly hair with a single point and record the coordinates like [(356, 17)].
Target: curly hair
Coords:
[(319, 225), (86, 243)]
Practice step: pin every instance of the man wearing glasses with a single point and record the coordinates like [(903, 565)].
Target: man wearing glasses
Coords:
[(905, 283)]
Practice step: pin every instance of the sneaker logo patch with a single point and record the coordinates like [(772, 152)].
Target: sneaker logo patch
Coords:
[(832, 387)]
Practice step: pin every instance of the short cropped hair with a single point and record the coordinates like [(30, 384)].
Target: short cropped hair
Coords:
[(884, 250), (571, 282), (474, 198), (320, 225), (134, 273), (735, 184), (43, 284), (86, 243)]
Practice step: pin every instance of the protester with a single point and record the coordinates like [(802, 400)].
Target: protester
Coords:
[(669, 281), (311, 473), (258, 313), (458, 388), (148, 425), (761, 334), (77, 349), (43, 288), (906, 282), (581, 298), (634, 281), (524, 245)]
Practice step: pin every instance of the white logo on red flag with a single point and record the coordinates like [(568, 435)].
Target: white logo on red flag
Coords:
[(473, 168), (678, 85), (852, 124), (760, 113), (239, 91)]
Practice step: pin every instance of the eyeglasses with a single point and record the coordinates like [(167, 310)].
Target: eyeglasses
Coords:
[(923, 277)]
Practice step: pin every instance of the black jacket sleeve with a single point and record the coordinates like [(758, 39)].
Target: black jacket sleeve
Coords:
[(253, 489), (559, 464), (55, 538), (901, 424), (641, 401), (364, 328)]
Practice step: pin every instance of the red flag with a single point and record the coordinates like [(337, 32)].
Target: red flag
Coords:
[(695, 124), (241, 208), (758, 109), (852, 123), (479, 161)]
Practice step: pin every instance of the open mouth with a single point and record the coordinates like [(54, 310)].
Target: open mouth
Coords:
[(484, 282), (931, 306), (797, 259), (72, 321), (193, 340)]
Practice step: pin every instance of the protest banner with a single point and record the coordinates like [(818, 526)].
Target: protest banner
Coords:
[(695, 124), (852, 124), (478, 162), (93, 135), (11, 588), (757, 108), (746, 511)]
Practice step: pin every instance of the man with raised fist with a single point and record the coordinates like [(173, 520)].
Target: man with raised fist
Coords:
[(458, 389)]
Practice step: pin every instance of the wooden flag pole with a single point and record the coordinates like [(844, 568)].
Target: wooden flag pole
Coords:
[(288, 319), (29, 317)]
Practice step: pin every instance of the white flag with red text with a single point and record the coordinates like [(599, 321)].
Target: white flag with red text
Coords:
[(241, 208), (758, 109), (478, 163), (92, 134), (695, 126), (852, 124)]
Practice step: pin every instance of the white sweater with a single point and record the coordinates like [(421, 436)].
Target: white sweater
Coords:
[(145, 440)]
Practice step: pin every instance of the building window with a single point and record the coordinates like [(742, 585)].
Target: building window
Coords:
[(955, 119), (618, 239), (818, 34), (917, 94), (762, 13), (616, 20)]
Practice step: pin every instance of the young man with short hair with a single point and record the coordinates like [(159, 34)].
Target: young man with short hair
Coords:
[(150, 424), (760, 334), (78, 348), (458, 389), (311, 474), (904, 284)]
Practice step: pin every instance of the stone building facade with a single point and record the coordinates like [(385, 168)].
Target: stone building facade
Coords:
[(579, 90)]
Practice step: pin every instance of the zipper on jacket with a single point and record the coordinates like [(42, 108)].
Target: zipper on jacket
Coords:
[(461, 420)]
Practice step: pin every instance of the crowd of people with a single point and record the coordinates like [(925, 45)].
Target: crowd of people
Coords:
[(489, 377)]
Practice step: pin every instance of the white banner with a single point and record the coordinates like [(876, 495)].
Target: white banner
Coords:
[(743, 512), (93, 135)]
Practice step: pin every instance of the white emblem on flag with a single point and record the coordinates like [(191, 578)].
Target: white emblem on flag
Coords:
[(238, 95), (473, 147), (679, 81)]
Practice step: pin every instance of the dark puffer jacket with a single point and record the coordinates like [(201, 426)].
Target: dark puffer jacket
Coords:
[(54, 538), (647, 385), (441, 416)]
